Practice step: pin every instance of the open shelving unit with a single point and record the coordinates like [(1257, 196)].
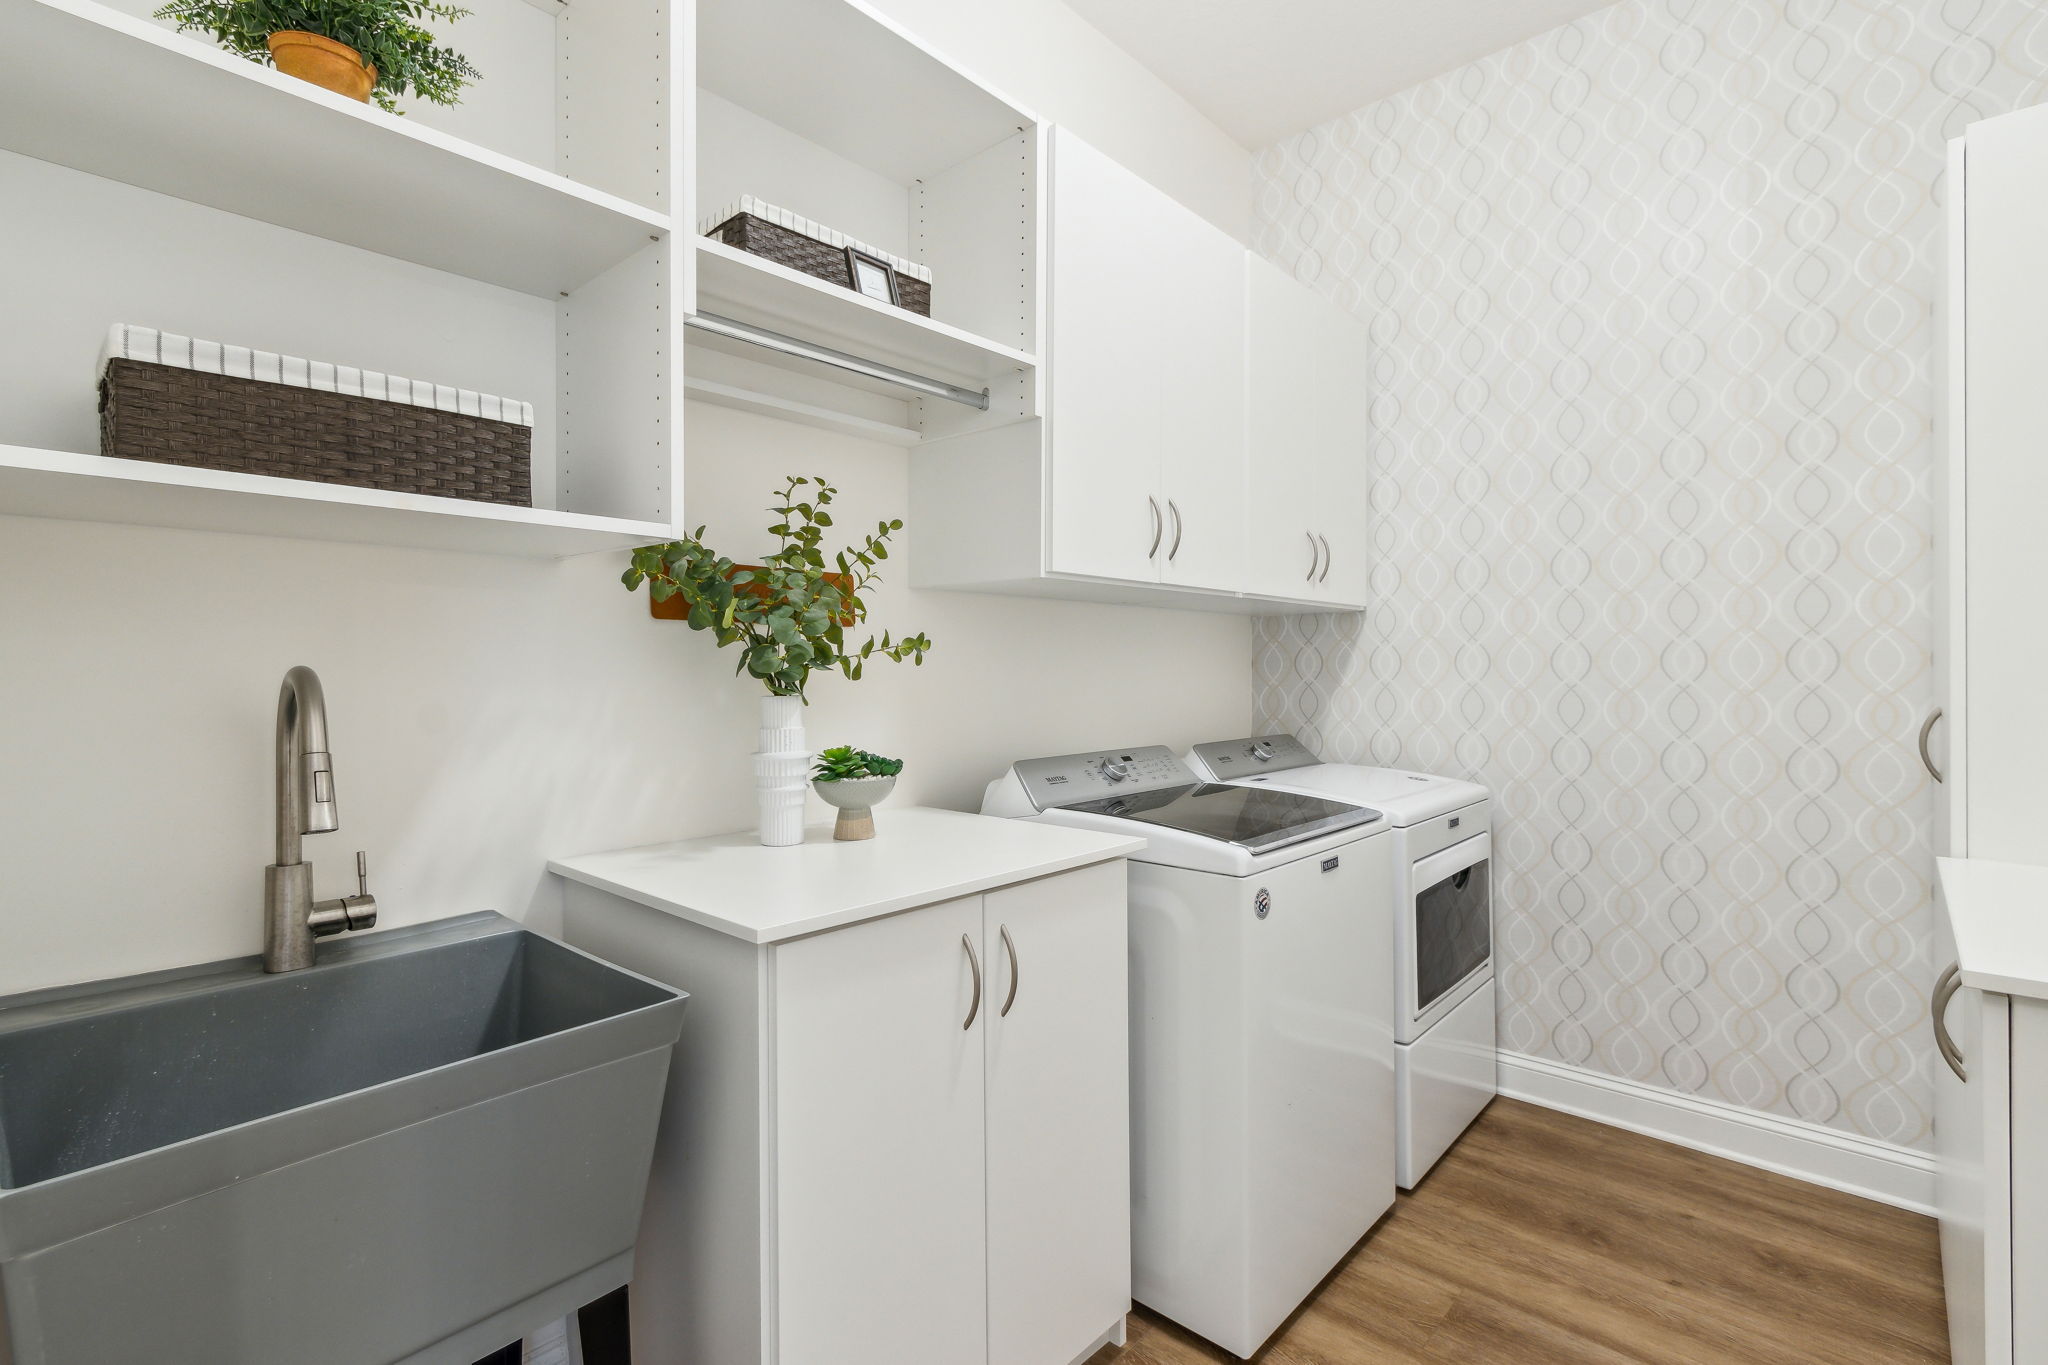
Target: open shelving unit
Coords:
[(72, 487), (519, 244), (827, 109)]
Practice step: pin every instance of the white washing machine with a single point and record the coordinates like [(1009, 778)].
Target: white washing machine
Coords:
[(1445, 1067), (1262, 1080)]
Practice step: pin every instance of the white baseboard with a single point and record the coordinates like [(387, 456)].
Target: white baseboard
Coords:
[(1806, 1151)]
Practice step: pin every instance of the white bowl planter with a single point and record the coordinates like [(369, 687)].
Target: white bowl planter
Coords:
[(856, 799)]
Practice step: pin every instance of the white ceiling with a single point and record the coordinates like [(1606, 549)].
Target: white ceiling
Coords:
[(1262, 69)]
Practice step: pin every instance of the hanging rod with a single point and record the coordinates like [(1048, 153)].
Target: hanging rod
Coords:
[(825, 355)]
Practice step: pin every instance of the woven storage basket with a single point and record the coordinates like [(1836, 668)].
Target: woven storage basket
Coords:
[(177, 401), (777, 235)]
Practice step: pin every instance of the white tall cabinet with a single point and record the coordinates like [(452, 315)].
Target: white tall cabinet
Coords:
[(1987, 740), (899, 1132)]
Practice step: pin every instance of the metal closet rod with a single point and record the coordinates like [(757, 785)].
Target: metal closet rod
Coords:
[(825, 355)]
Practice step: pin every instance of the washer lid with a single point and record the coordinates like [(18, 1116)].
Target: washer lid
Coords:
[(1407, 798), (1255, 819)]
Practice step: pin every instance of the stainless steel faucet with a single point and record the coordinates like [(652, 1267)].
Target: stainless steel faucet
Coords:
[(292, 919)]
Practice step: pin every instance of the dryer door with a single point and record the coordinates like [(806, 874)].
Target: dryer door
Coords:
[(1451, 936)]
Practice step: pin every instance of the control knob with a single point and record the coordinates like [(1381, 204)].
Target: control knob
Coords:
[(1113, 771), (1262, 751)]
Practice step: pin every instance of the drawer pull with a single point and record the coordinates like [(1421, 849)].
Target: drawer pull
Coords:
[(1927, 759), (974, 962), (1010, 999), (1945, 991)]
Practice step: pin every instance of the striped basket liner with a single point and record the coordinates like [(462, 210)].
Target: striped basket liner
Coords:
[(178, 400)]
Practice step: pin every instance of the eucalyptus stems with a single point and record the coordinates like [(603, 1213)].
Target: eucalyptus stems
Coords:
[(790, 614)]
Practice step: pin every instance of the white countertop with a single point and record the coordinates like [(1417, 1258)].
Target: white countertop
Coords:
[(1999, 912), (919, 856)]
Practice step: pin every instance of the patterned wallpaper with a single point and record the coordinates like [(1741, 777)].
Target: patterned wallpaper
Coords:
[(1651, 445)]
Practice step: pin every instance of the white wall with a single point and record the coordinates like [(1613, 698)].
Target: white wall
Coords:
[(486, 712), (490, 712), (1047, 58)]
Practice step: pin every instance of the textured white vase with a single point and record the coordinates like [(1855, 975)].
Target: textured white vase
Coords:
[(781, 771)]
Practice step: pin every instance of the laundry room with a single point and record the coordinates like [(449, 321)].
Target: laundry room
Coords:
[(1051, 682)]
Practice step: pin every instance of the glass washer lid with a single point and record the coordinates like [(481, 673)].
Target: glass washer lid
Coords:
[(1253, 818)]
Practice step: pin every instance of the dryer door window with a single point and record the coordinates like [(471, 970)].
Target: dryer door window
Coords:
[(1453, 931)]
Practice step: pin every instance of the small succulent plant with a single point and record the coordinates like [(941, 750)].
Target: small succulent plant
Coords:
[(846, 764)]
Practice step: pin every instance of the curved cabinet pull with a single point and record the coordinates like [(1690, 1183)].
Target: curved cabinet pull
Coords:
[(1009, 944), (1944, 991), (973, 961), (1315, 557), (1174, 508), (1327, 557), (1158, 527), (1927, 759)]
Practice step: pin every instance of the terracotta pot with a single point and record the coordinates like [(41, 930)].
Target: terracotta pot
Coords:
[(326, 63)]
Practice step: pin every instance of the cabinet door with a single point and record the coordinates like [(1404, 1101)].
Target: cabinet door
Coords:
[(1103, 387), (1059, 1198), (1342, 480), (1973, 1174), (1201, 422), (880, 1226), (1282, 429)]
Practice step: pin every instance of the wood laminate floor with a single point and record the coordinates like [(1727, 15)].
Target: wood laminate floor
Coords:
[(1543, 1239)]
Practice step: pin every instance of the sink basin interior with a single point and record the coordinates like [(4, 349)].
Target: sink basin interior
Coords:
[(102, 1075)]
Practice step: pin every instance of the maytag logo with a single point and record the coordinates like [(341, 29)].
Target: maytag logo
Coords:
[(1329, 864)]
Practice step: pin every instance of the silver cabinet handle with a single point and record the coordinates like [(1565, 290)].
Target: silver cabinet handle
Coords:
[(1927, 759), (1158, 527), (974, 962), (1011, 998), (1315, 557), (1327, 557), (1174, 508), (1944, 991)]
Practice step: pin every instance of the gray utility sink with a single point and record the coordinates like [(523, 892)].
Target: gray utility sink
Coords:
[(418, 1150)]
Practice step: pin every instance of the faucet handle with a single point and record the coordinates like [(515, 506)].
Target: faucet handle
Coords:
[(346, 913)]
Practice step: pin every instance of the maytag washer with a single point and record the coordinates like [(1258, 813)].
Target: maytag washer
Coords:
[(1445, 1068), (1262, 1077)]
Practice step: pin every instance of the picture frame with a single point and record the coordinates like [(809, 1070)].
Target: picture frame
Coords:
[(872, 277)]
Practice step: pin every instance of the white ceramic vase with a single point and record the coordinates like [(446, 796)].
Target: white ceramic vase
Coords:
[(781, 769)]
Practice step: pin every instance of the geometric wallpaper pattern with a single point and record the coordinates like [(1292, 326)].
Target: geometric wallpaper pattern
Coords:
[(1652, 395)]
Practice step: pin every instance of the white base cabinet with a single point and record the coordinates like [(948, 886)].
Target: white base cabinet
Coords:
[(900, 1142)]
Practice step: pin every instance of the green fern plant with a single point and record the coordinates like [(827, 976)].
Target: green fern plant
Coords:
[(390, 35), (790, 616)]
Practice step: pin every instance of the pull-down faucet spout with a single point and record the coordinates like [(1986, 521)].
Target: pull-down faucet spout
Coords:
[(292, 919)]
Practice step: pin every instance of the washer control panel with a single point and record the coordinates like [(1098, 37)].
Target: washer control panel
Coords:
[(1229, 758), (1070, 779)]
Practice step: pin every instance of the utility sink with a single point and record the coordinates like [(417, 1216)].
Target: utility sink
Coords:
[(418, 1150)]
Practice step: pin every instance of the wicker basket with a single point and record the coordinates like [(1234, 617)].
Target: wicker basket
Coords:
[(176, 401), (763, 230)]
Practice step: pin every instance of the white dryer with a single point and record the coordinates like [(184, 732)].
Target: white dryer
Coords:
[(1262, 1082), (1445, 1067)]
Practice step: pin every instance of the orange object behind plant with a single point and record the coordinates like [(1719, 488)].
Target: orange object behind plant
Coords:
[(324, 62), (675, 609)]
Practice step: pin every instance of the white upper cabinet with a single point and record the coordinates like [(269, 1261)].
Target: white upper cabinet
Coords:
[(1146, 434), (1203, 442), (1306, 479), (1107, 518)]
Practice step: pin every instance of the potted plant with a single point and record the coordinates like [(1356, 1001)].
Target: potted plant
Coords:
[(789, 617), (855, 782), (357, 48)]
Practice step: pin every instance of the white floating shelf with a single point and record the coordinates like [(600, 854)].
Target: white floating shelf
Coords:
[(749, 288), (74, 487), (103, 92)]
